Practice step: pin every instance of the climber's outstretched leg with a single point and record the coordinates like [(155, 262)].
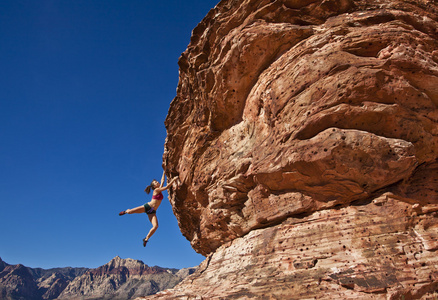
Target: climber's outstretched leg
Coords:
[(137, 210)]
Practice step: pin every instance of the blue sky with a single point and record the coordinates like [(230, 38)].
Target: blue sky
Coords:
[(85, 87)]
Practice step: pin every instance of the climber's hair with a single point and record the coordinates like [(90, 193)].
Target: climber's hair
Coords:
[(149, 187)]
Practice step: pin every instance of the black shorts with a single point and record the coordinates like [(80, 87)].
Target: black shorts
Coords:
[(149, 210)]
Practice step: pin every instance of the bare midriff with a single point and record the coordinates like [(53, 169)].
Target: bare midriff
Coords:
[(156, 201)]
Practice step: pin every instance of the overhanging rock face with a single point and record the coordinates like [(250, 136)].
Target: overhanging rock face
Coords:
[(305, 135)]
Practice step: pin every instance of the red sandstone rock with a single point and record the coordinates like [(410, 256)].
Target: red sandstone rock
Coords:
[(355, 252), (305, 135)]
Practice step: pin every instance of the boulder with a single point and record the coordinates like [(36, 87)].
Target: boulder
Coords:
[(305, 137)]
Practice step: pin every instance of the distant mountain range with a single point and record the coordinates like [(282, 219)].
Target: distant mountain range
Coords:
[(118, 279)]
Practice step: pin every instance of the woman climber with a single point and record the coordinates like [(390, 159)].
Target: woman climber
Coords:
[(151, 207)]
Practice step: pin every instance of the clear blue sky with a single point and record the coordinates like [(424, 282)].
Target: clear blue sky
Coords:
[(85, 87)]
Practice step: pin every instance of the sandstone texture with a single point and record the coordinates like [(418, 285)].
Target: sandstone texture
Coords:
[(305, 137)]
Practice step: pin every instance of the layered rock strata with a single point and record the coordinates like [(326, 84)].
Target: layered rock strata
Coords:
[(305, 137)]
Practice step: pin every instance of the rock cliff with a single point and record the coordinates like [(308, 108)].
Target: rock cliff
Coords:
[(305, 137)]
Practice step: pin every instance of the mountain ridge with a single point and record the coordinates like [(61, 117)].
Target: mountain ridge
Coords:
[(117, 279)]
